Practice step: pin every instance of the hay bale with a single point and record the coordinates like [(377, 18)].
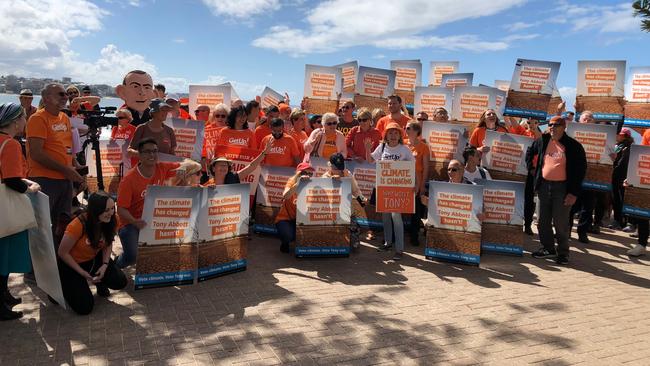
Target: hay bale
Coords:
[(532, 101), (265, 215), (320, 106), (599, 173), (166, 258), (552, 105), (502, 234), (454, 241), (499, 175), (222, 251), (408, 96), (637, 111), (612, 105), (323, 235), (370, 102), (637, 197)]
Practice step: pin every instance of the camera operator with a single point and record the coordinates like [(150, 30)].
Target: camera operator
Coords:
[(50, 156)]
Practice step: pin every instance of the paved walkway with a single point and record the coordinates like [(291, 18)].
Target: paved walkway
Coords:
[(363, 310)]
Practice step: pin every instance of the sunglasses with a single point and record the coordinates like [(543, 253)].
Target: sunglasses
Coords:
[(452, 169), (330, 124), (220, 116), (555, 125), (122, 117), (201, 110), (345, 107)]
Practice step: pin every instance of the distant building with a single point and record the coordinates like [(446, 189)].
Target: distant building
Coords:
[(66, 80)]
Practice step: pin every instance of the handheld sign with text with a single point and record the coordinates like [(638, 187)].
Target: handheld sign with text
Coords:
[(503, 85), (167, 250), (637, 195), (112, 158), (427, 99), (446, 142), (323, 205), (471, 101), (598, 141), (531, 88), (223, 230), (189, 137), (503, 206), (270, 97), (349, 72), (457, 79), (507, 155), (637, 94), (365, 175), (373, 82), (408, 74), (322, 82), (600, 89), (272, 182), (209, 95), (395, 186), (453, 227), (439, 68)]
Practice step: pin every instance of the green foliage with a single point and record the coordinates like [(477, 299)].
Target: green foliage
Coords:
[(642, 9)]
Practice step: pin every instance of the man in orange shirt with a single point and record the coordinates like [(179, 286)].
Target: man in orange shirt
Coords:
[(50, 156), (395, 110), (646, 137), (132, 191), (284, 151)]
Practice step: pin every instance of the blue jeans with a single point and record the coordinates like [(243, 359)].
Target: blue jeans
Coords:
[(393, 222), (286, 232), (129, 237)]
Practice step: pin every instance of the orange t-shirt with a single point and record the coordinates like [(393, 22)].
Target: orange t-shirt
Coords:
[(478, 136), (554, 168), (210, 141), (123, 132), (57, 134), (329, 147), (261, 132), (646, 137), (300, 137), (232, 137), (133, 187), (419, 153), (283, 151), (12, 162), (82, 251), (288, 209), (385, 120)]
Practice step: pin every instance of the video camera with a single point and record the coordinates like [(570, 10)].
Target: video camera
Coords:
[(96, 119)]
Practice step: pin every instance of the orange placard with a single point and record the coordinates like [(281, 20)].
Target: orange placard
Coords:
[(395, 186)]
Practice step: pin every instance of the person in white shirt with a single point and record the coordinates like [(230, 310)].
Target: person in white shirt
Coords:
[(473, 171)]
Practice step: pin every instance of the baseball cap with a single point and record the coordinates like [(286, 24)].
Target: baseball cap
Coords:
[(27, 92), (304, 166), (157, 104), (625, 131), (337, 161)]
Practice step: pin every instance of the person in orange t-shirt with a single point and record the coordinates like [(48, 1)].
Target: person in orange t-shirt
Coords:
[(283, 151), (124, 129), (420, 151), (488, 120), (395, 115), (85, 255), (50, 156), (237, 132), (645, 140), (298, 121), (132, 190), (285, 221)]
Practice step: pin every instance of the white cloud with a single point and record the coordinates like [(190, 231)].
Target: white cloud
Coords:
[(617, 18), (178, 40), (241, 8), (383, 23), (517, 26)]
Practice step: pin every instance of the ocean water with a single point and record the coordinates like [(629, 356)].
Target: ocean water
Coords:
[(106, 102)]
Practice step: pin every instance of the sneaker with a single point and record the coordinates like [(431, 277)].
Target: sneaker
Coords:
[(629, 228), (385, 247), (583, 238), (638, 250), (528, 230), (397, 256), (562, 259), (543, 253)]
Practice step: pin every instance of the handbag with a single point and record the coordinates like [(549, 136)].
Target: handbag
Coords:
[(16, 211)]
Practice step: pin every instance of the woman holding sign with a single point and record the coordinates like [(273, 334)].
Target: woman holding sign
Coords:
[(285, 221), (392, 148), (488, 121), (220, 169), (85, 255)]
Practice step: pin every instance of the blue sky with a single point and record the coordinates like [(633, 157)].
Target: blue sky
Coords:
[(254, 43)]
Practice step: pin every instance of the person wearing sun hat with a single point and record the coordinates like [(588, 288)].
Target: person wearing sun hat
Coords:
[(220, 169), (392, 148), (285, 220)]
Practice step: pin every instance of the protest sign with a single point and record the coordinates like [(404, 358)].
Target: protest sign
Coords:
[(240, 157), (189, 137), (439, 68), (598, 141), (223, 230), (507, 155), (446, 142), (323, 205), (269, 196), (503, 207), (209, 95), (373, 82), (320, 165), (637, 195), (457, 79), (531, 88), (637, 94), (395, 186), (427, 99), (365, 175), (453, 227), (471, 101), (600, 89), (503, 85), (349, 72), (167, 251), (322, 82), (112, 160), (41, 249), (270, 97), (408, 76)]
